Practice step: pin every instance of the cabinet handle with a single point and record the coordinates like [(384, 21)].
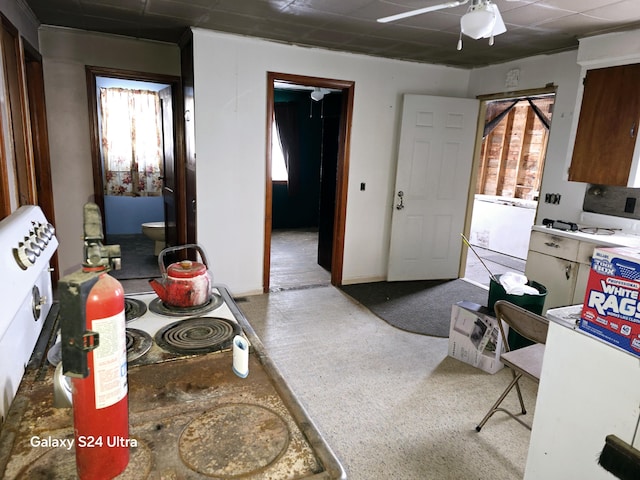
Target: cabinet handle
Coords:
[(552, 244), (567, 271), (633, 130)]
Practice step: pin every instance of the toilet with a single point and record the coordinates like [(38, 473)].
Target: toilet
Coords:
[(155, 231)]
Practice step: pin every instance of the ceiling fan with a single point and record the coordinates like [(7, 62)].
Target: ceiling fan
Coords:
[(482, 20)]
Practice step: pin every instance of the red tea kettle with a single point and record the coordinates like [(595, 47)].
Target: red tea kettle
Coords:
[(185, 283)]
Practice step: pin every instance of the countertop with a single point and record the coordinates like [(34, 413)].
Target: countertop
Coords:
[(569, 317), (618, 239)]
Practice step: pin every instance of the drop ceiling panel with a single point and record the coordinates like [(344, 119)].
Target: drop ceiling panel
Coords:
[(534, 27)]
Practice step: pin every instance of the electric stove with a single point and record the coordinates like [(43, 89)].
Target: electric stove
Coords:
[(190, 416)]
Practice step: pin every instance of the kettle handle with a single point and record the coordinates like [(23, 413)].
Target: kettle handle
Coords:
[(163, 268)]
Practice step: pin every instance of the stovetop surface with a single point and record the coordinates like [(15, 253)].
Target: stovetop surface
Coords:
[(152, 321), (190, 418), (158, 319)]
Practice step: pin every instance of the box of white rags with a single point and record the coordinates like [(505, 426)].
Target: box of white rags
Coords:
[(474, 337), (611, 309)]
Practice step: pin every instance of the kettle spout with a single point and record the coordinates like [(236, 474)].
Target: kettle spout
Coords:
[(159, 288)]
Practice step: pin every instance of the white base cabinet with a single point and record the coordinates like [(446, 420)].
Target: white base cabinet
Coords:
[(556, 274), (561, 262), (587, 391)]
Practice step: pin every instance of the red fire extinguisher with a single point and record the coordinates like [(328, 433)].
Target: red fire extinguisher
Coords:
[(94, 355), (96, 359)]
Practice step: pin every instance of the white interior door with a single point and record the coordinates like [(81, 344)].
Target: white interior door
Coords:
[(432, 181)]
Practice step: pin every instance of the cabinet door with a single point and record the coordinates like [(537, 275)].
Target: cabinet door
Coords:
[(557, 275), (581, 284), (607, 126)]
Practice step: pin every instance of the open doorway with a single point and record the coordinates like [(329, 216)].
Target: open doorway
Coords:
[(305, 206), (135, 160), (509, 175)]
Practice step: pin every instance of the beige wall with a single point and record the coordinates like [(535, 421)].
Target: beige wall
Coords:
[(65, 54)]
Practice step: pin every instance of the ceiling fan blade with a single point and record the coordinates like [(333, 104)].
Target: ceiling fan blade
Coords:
[(499, 27), (420, 11)]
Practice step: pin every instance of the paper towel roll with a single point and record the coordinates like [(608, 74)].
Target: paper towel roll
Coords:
[(240, 356)]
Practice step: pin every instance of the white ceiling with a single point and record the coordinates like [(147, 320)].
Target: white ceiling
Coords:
[(533, 26)]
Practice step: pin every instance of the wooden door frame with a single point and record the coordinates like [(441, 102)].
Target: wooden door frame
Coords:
[(484, 99), (179, 140), (348, 89), (34, 76)]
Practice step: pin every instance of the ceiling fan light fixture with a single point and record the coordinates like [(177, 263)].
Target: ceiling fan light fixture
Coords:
[(317, 94), (478, 22)]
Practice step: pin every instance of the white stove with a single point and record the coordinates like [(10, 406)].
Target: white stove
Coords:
[(27, 243), (192, 414)]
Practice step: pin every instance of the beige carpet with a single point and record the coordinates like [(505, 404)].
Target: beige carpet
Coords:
[(390, 403)]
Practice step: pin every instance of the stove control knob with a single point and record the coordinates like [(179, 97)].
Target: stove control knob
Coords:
[(41, 233), (38, 241), (24, 256), (37, 302), (33, 245), (50, 230)]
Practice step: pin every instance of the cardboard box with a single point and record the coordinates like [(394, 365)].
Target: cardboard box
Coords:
[(611, 308), (474, 337)]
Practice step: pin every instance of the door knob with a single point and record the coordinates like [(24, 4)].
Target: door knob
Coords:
[(400, 205)]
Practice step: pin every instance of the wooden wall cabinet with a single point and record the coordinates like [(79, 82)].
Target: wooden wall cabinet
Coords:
[(605, 150)]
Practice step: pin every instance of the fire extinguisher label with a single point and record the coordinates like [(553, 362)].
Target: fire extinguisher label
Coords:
[(110, 360)]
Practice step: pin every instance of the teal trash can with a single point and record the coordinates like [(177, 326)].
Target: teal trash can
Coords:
[(533, 303)]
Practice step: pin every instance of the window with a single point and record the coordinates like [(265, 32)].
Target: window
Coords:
[(278, 165), (131, 142)]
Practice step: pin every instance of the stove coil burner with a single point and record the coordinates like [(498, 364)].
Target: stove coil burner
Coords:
[(158, 306), (138, 343), (133, 308), (197, 335)]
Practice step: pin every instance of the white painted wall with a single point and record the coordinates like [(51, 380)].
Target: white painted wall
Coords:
[(230, 115), (230, 82), (563, 71), (65, 53)]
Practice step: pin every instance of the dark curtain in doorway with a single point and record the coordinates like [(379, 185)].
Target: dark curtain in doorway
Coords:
[(286, 122)]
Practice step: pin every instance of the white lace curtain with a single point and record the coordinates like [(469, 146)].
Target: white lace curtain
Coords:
[(131, 141)]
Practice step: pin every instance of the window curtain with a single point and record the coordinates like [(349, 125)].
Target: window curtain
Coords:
[(131, 142), (286, 114)]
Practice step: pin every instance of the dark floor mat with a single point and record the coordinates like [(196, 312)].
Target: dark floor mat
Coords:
[(422, 306)]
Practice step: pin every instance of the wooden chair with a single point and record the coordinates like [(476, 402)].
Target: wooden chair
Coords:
[(526, 361)]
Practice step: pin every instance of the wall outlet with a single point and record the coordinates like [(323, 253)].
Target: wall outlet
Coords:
[(553, 198), (630, 205)]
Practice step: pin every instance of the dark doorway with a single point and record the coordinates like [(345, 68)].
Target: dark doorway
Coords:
[(313, 193)]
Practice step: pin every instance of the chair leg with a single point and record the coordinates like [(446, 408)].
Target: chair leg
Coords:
[(495, 406), (522, 408)]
